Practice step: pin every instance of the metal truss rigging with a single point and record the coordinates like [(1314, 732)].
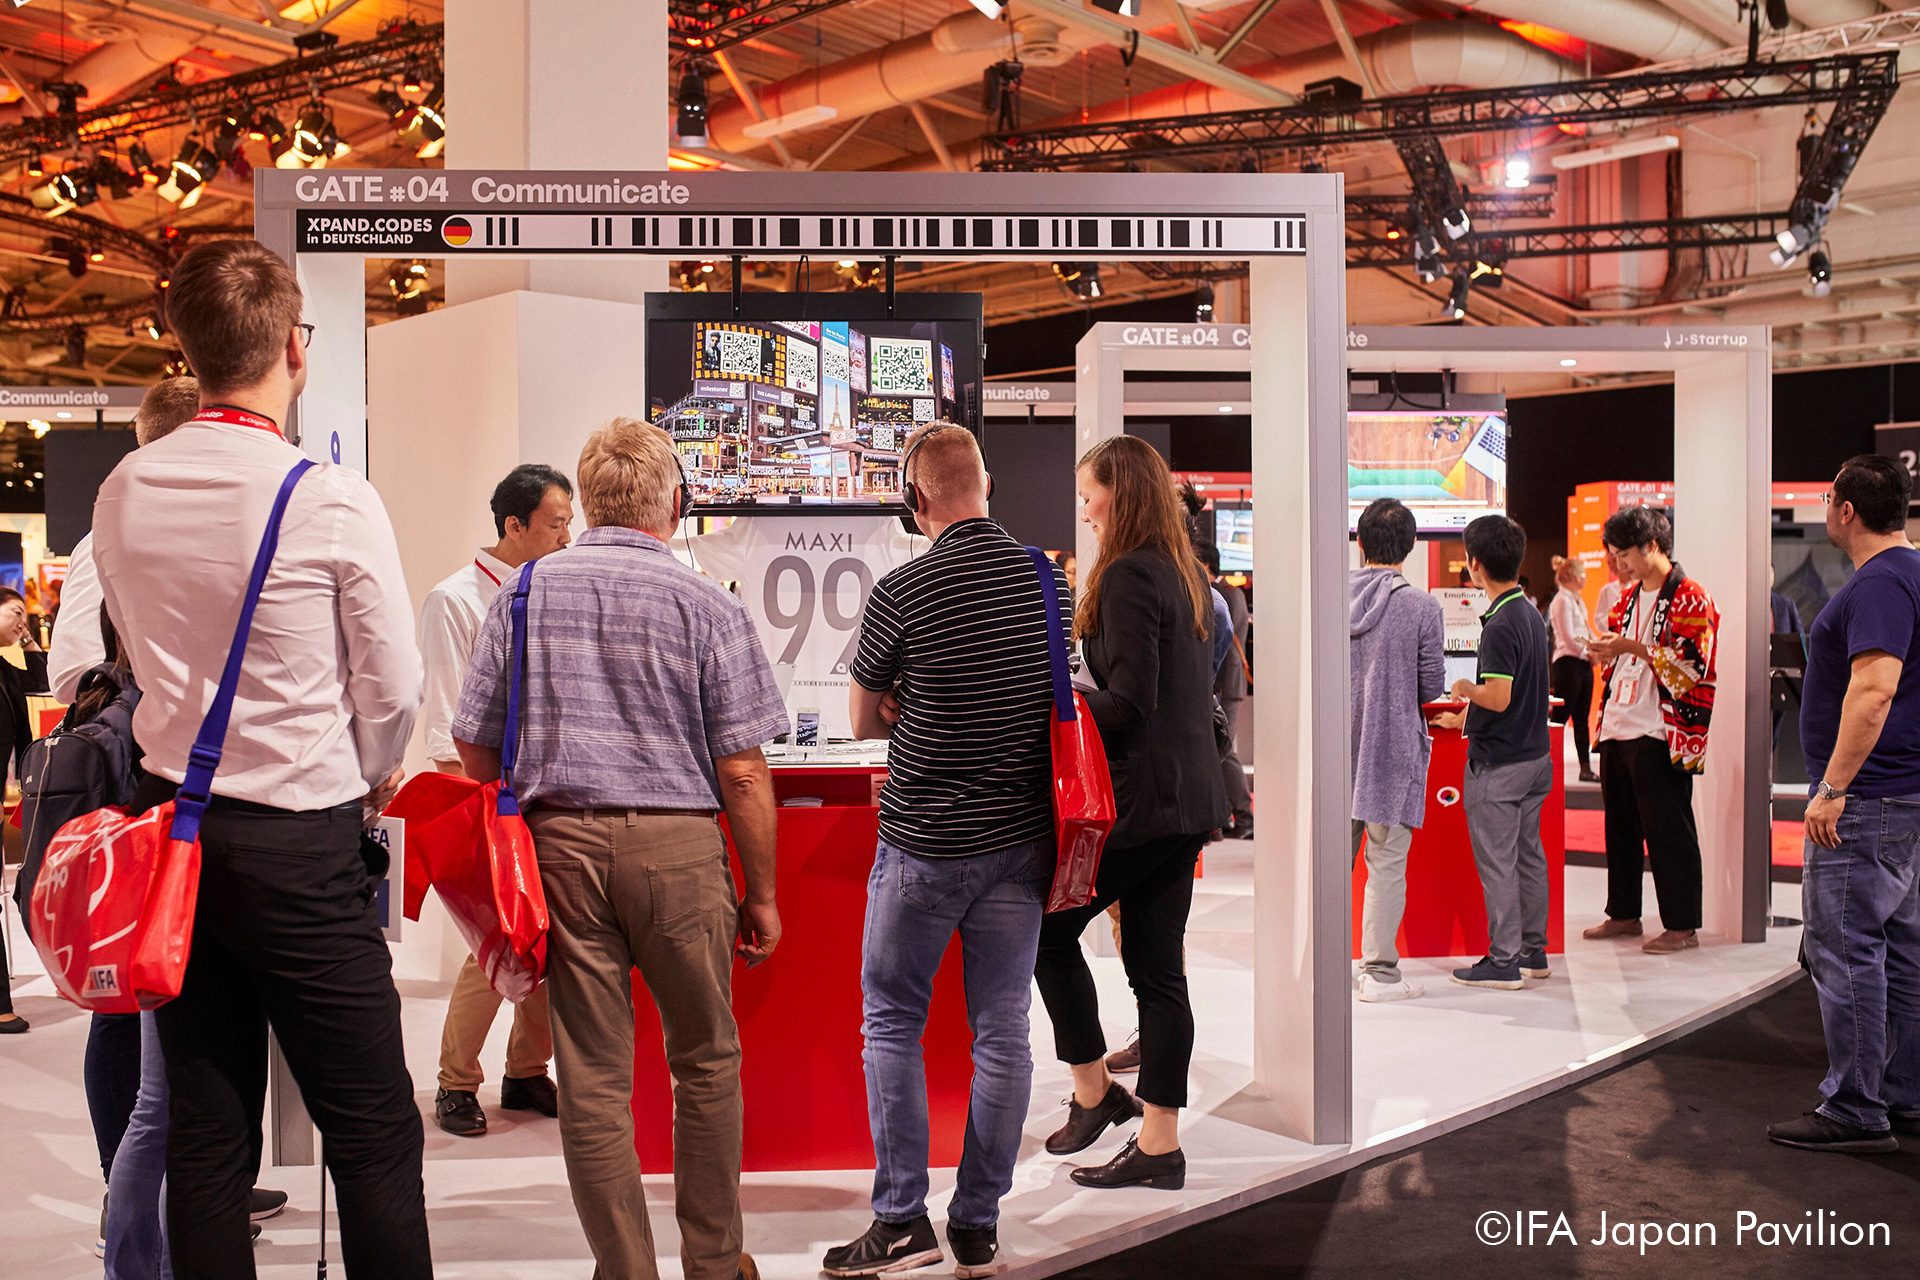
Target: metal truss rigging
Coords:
[(700, 27), (1871, 78), (1368, 250), (409, 47)]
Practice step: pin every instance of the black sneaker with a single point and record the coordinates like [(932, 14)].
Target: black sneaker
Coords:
[(1501, 977), (1815, 1132), (264, 1204), (255, 1228), (976, 1251), (1533, 966), (1909, 1125), (529, 1093), (458, 1112), (886, 1248)]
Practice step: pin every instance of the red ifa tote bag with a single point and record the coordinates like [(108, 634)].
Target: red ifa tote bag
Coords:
[(469, 842), (113, 907), (1083, 808)]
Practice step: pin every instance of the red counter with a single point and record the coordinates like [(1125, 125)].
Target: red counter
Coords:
[(1446, 910), (799, 1013)]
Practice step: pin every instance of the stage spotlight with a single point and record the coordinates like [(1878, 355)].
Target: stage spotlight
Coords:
[(1456, 222), (1083, 278), (313, 141), (690, 109), (991, 9), (187, 175), (426, 130), (1203, 304), (1792, 243), (1820, 272), (227, 134), (36, 167), (1119, 8), (64, 193), (1456, 308), (1517, 172), (408, 279)]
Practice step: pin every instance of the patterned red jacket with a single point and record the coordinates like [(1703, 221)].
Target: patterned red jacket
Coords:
[(1685, 627)]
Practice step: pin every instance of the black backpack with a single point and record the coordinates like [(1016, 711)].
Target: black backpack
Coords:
[(80, 767)]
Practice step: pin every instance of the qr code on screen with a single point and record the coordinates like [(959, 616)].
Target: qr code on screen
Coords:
[(900, 368), (737, 353)]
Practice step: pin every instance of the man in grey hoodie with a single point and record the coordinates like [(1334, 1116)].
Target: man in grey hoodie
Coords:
[(1398, 661)]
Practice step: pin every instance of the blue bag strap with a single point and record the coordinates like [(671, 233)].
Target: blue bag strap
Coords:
[(1064, 708), (509, 804), (196, 789)]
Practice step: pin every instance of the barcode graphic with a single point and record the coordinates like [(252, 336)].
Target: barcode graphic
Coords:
[(864, 235)]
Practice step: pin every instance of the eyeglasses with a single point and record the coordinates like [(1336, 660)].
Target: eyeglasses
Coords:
[(1830, 498), (306, 335)]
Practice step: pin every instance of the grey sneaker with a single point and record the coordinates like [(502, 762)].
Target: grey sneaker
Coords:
[(1533, 966)]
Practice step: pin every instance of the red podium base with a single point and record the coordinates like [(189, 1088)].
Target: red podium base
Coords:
[(799, 1013), (1446, 909)]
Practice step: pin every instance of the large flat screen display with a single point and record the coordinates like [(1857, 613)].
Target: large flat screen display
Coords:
[(1233, 535), (1449, 468), (806, 401)]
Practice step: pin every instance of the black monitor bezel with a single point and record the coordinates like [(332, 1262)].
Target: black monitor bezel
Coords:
[(771, 308)]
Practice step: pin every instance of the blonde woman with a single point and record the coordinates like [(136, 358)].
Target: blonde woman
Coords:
[(1572, 667)]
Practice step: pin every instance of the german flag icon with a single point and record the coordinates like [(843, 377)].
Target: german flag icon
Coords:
[(456, 231)]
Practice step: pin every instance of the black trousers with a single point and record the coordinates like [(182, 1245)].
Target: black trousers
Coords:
[(1573, 685), (1153, 883), (285, 936), (1650, 803)]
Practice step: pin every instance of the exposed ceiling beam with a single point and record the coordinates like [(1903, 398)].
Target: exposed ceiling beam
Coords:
[(745, 93), (1344, 38), (217, 19), (933, 137), (1158, 51)]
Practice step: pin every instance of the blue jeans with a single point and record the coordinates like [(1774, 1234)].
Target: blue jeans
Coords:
[(914, 904), (136, 1227), (1862, 908)]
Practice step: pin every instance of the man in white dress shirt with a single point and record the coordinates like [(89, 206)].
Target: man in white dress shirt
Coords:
[(78, 645), (284, 935), (532, 512)]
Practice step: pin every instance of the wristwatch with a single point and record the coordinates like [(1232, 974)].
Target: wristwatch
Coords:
[(1826, 792)]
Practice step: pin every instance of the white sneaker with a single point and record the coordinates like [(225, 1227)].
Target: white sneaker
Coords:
[(1374, 991)]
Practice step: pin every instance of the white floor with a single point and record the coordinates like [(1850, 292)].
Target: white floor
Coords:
[(500, 1208)]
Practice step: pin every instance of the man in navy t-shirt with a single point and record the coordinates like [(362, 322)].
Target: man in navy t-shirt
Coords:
[(1860, 728)]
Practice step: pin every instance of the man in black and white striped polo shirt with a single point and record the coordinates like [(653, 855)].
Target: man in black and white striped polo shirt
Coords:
[(953, 669)]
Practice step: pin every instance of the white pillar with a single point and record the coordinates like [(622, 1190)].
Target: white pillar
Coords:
[(1723, 465), (1303, 1034), (557, 84), (1099, 411)]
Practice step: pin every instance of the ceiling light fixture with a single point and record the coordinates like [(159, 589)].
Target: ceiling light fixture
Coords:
[(1568, 364), (991, 9), (690, 108), (1517, 172), (1083, 278), (1119, 8), (426, 130), (1456, 308), (1820, 273), (187, 175), (64, 193), (1203, 304)]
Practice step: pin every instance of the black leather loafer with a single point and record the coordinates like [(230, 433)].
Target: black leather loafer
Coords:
[(1134, 1167), (458, 1112), (1085, 1124), (531, 1093)]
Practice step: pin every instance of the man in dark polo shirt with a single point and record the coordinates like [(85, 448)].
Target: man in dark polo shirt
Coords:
[(953, 669), (1860, 724), (1509, 766)]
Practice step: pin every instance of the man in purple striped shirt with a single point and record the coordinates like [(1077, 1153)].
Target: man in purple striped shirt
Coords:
[(646, 699)]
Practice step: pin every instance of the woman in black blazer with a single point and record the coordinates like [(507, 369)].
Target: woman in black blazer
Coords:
[(1145, 619), (16, 732)]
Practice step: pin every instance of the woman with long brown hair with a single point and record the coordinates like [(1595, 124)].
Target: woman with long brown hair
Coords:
[(1144, 618)]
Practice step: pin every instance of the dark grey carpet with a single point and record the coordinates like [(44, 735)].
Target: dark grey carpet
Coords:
[(1676, 1137)]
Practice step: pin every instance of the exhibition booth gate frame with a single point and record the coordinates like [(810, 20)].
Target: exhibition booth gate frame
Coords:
[(1289, 229)]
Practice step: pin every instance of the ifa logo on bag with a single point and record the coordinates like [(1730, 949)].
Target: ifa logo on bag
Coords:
[(102, 980)]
